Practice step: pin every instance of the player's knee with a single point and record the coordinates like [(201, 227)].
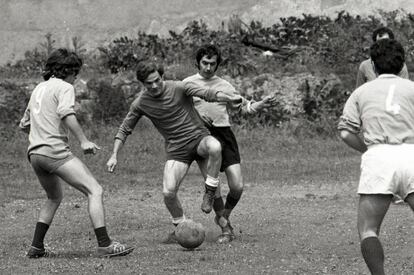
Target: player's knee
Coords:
[(214, 148), (96, 190), (237, 189), (169, 194), (56, 199)]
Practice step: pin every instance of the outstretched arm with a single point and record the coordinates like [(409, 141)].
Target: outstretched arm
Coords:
[(72, 123), (113, 160), (210, 95), (266, 102), (124, 131)]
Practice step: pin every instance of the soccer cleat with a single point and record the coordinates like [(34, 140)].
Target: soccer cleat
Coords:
[(225, 238), (227, 234), (35, 252), (208, 200), (114, 249), (170, 239)]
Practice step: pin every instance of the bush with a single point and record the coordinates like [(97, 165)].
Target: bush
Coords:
[(313, 44)]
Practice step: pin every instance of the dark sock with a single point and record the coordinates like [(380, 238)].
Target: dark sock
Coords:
[(218, 206), (39, 235), (373, 254), (231, 202), (102, 237)]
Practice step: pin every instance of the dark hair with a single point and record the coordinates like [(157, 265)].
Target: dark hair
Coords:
[(381, 31), (145, 68), (208, 50), (61, 63), (388, 56)]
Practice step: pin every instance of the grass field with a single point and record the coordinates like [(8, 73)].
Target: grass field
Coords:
[(297, 216)]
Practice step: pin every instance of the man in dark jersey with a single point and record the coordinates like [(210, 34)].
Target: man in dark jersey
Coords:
[(169, 106)]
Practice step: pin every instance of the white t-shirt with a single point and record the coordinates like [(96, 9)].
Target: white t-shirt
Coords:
[(383, 109), (50, 102)]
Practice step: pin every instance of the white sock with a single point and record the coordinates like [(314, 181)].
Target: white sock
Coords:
[(213, 182), (178, 220)]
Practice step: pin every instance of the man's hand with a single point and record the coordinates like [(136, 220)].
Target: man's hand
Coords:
[(111, 164), (89, 147), (267, 102)]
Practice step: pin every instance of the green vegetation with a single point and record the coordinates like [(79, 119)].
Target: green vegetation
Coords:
[(317, 46)]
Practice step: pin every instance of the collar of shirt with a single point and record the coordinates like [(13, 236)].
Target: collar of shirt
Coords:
[(388, 76)]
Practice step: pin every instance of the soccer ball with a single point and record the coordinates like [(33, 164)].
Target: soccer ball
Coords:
[(190, 234)]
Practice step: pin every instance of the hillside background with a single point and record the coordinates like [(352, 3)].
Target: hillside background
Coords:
[(23, 23)]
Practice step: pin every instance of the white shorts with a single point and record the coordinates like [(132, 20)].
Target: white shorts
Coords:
[(387, 169)]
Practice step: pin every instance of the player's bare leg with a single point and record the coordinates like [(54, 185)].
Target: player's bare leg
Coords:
[(174, 173), (84, 181), (235, 182), (52, 184), (210, 148), (410, 200), (371, 212), (218, 206)]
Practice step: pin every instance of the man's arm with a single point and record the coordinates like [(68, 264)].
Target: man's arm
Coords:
[(72, 123), (113, 160), (25, 121), (353, 141), (124, 131), (210, 95), (252, 107)]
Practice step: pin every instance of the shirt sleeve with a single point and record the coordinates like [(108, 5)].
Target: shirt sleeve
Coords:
[(191, 89), (129, 122), (244, 107), (350, 119), (66, 102), (404, 72)]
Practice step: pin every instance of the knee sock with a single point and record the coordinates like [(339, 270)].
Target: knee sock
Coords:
[(218, 206), (102, 237), (231, 202), (373, 254), (39, 235)]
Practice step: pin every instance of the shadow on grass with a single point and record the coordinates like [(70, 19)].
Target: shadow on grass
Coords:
[(73, 254)]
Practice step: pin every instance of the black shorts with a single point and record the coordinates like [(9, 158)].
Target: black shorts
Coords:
[(188, 153), (230, 150)]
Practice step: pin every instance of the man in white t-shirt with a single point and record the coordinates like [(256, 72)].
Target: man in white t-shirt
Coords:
[(49, 117), (383, 110)]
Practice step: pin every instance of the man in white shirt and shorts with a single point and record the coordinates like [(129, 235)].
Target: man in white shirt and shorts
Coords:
[(383, 110)]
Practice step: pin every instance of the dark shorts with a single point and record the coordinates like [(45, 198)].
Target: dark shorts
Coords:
[(230, 150), (187, 154), (41, 163)]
